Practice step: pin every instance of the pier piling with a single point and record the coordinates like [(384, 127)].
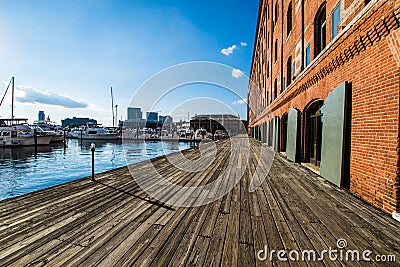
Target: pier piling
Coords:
[(35, 138)]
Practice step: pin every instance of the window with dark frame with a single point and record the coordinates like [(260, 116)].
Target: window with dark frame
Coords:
[(289, 71), (320, 30), (335, 21), (294, 70), (308, 55), (289, 19), (276, 51), (276, 13), (284, 85)]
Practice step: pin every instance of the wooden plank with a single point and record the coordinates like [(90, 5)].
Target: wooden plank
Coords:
[(198, 253), (214, 252), (185, 246), (339, 222), (124, 240), (231, 247), (246, 255), (97, 224), (168, 252), (152, 249)]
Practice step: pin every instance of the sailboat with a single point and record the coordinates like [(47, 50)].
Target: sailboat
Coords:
[(16, 131), (96, 131)]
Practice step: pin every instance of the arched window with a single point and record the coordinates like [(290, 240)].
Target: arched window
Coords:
[(289, 71), (320, 30)]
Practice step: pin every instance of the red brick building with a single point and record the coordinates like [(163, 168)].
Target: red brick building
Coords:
[(325, 91)]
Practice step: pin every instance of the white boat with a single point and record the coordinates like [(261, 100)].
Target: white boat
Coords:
[(16, 132), (21, 135), (46, 128), (59, 137), (93, 132)]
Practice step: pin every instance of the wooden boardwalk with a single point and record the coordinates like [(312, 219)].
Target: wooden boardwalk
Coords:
[(112, 222)]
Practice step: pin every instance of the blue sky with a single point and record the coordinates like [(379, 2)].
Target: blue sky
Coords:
[(65, 55)]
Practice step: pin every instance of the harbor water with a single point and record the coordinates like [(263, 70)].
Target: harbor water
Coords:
[(24, 170)]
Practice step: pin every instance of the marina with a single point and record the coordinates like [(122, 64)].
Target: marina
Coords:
[(26, 169), (112, 222)]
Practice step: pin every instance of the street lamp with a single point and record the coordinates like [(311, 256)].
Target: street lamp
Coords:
[(92, 148)]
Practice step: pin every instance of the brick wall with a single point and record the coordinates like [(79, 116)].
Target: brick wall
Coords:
[(364, 55)]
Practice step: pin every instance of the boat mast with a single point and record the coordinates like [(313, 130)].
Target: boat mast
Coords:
[(112, 106), (12, 99), (116, 115)]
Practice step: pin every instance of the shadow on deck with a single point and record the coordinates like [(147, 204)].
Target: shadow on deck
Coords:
[(112, 222)]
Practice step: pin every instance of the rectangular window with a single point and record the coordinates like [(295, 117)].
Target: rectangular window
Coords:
[(288, 72), (289, 19), (308, 54), (284, 83), (276, 14), (276, 50), (294, 69), (335, 21)]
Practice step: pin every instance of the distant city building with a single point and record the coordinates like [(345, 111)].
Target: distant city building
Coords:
[(152, 116), (152, 121), (134, 114), (212, 122), (75, 122), (133, 124), (41, 116), (165, 119)]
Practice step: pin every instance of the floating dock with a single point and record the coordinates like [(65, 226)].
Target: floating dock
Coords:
[(113, 222)]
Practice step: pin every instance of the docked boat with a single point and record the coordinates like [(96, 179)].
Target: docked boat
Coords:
[(55, 131), (94, 132), (17, 132), (20, 134)]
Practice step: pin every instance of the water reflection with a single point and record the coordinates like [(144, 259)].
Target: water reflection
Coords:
[(85, 144), (22, 154), (24, 169)]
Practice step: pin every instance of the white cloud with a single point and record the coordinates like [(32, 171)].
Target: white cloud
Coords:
[(236, 73), (240, 102), (243, 43), (27, 94), (228, 51)]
